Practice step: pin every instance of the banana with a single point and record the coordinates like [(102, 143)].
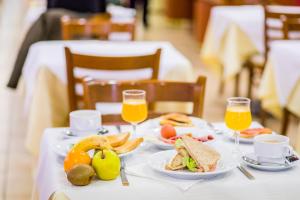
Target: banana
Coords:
[(128, 146), (92, 142), (118, 139)]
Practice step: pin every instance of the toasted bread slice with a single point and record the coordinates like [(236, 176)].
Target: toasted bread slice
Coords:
[(176, 119), (176, 163), (205, 156)]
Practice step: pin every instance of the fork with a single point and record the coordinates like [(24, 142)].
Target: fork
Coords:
[(123, 173), (118, 128), (213, 128)]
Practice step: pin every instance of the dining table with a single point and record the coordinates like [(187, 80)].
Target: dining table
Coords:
[(234, 34), (280, 84), (146, 183), (45, 79)]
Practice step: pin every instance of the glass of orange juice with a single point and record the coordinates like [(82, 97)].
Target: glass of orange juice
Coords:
[(134, 108), (238, 117)]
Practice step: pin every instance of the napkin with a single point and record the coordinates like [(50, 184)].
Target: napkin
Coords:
[(144, 171)]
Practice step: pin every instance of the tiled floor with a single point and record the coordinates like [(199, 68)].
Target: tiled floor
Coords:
[(15, 163)]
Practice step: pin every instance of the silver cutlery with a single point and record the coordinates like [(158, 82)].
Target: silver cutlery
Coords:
[(213, 128), (245, 172), (119, 128), (255, 162), (123, 173), (102, 131)]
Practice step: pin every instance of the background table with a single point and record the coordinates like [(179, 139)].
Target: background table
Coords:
[(234, 33), (46, 101), (280, 85), (234, 185)]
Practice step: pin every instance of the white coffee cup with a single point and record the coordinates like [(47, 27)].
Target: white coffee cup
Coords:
[(85, 122), (272, 147)]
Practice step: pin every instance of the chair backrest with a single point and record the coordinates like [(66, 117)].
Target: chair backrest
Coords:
[(73, 61), (273, 25), (99, 26), (156, 91), (291, 27)]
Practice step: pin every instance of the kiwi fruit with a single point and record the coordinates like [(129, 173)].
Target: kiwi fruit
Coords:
[(80, 174)]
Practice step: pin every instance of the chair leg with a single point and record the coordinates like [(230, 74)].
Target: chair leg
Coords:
[(285, 122), (263, 117), (250, 81), (236, 85), (222, 82), (221, 86)]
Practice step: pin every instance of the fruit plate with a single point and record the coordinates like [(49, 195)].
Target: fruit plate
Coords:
[(154, 136), (159, 160), (62, 147)]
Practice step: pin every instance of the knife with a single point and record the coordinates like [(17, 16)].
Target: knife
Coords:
[(245, 172), (123, 174)]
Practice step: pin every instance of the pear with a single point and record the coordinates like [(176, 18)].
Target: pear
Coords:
[(106, 164)]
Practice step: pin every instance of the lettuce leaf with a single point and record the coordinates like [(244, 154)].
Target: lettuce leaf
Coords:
[(178, 143), (190, 164)]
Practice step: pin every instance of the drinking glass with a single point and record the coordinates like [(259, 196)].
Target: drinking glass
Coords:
[(134, 108), (238, 117)]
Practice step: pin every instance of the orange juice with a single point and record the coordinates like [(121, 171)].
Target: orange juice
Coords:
[(238, 117), (134, 110)]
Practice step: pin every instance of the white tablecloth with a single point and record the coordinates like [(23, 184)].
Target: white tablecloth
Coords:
[(51, 55), (248, 18), (232, 186), (280, 84), (234, 33), (285, 58)]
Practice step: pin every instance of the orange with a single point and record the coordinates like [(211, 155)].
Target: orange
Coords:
[(76, 157), (167, 131)]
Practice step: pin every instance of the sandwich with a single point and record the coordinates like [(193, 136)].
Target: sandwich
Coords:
[(176, 119), (194, 156)]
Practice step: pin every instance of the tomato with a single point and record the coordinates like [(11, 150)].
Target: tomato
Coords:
[(167, 131), (76, 157)]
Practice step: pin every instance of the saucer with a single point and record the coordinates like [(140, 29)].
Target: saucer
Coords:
[(267, 167)]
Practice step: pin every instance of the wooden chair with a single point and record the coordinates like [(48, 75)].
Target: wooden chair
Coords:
[(291, 28), (156, 91), (105, 63), (273, 30), (98, 26)]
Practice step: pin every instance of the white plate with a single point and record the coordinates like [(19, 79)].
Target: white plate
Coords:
[(153, 136), (159, 160), (267, 167), (63, 147), (230, 134), (150, 129)]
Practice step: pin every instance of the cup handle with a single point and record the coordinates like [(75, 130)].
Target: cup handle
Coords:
[(288, 151)]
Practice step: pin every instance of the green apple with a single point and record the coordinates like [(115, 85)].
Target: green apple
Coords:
[(106, 164)]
